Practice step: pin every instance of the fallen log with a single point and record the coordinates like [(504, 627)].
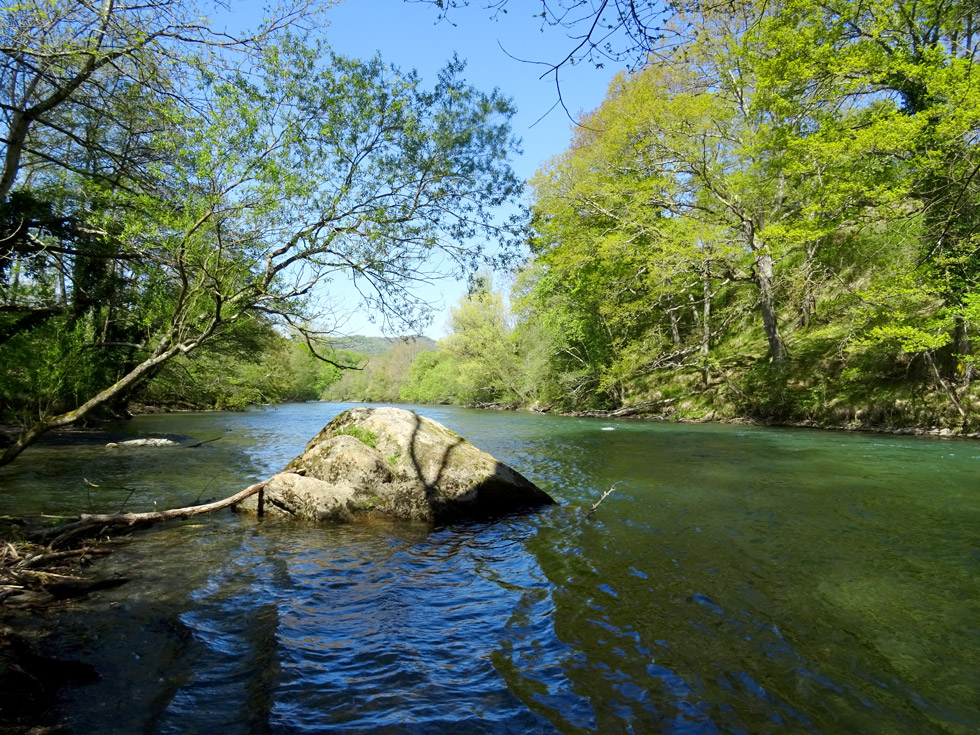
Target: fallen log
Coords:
[(638, 409), (89, 521)]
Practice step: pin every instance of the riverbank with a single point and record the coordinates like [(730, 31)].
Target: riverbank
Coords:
[(902, 409), (797, 394), (686, 410), (641, 414), (36, 581)]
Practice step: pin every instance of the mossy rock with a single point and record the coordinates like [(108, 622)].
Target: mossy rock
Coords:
[(415, 468)]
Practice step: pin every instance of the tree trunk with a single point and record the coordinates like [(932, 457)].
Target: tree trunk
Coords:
[(808, 302), (763, 279), (705, 323), (947, 388), (675, 331), (964, 349), (16, 136)]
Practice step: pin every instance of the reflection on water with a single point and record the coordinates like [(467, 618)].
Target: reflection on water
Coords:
[(737, 581)]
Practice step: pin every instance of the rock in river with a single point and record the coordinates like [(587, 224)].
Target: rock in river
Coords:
[(393, 462)]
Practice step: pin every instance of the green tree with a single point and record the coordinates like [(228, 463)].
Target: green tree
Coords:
[(432, 378), (822, 154), (903, 74), (63, 60), (378, 378), (312, 165), (482, 345)]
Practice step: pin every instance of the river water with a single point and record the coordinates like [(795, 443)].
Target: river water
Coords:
[(738, 580)]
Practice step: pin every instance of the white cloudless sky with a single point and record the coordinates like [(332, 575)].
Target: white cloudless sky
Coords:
[(499, 51)]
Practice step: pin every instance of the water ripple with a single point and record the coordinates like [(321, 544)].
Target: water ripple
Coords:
[(738, 581)]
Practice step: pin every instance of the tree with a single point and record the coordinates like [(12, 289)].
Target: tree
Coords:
[(71, 54), (432, 378), (607, 30), (93, 93), (823, 153), (677, 176), (902, 73), (482, 346), (312, 165)]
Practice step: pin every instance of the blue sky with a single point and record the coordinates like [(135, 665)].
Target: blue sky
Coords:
[(410, 35)]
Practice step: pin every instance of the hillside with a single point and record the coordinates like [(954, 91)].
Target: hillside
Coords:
[(374, 346)]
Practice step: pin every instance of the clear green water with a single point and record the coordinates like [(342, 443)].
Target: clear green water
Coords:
[(739, 580)]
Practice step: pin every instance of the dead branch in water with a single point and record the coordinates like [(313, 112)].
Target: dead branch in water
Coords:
[(39, 569), (36, 560), (604, 496), (201, 443), (90, 521)]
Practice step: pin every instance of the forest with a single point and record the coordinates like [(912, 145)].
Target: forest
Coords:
[(772, 216)]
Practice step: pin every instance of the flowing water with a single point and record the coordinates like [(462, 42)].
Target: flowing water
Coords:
[(738, 580)]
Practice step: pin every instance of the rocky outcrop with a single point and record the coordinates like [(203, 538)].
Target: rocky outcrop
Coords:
[(393, 462)]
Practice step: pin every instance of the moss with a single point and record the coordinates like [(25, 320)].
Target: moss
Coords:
[(361, 505), (366, 436)]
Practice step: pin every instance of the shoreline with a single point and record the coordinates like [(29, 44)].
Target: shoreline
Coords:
[(921, 431), (95, 430), (638, 412)]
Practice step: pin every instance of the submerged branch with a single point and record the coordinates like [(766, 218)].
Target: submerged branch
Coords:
[(86, 522)]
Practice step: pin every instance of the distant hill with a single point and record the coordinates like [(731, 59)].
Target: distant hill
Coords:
[(378, 345)]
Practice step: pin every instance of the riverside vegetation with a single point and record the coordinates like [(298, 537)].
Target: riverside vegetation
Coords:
[(171, 191), (774, 217)]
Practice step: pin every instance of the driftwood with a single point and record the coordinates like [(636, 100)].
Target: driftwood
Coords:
[(40, 560), (604, 496), (90, 521), (36, 570), (19, 573), (201, 443), (637, 409)]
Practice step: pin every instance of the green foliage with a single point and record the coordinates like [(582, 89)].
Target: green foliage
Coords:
[(374, 346), (252, 365), (482, 348), (377, 379), (432, 378), (170, 214), (795, 178)]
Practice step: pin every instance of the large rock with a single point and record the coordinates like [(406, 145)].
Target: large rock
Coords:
[(393, 462)]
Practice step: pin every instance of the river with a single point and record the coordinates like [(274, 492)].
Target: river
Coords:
[(738, 580)]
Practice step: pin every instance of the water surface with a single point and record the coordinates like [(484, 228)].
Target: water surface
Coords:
[(738, 580)]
